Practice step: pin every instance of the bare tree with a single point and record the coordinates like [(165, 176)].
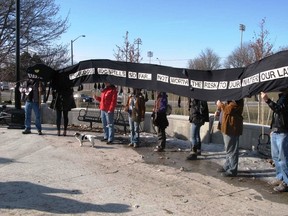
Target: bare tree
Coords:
[(129, 52), (261, 45), (207, 60), (56, 56), (39, 27), (240, 57), (261, 49)]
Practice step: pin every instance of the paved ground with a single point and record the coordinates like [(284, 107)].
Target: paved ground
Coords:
[(51, 175)]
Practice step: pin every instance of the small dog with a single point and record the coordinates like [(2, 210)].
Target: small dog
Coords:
[(83, 137)]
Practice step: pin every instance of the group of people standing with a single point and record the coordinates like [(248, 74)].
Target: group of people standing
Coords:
[(231, 125), (229, 113), (62, 102), (135, 107)]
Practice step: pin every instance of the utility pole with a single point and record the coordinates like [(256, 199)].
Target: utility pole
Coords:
[(242, 29)]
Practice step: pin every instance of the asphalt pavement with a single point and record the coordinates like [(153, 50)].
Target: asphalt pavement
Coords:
[(53, 175)]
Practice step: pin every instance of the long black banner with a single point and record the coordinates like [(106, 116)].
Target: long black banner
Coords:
[(269, 74)]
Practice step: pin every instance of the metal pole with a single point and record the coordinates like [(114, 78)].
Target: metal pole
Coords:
[(242, 28), (150, 54), (71, 52), (17, 93), (72, 41), (159, 61)]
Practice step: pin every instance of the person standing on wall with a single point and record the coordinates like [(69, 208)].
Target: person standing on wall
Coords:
[(63, 101), (198, 115), (32, 91), (279, 139), (108, 101), (135, 107), (231, 128), (160, 120)]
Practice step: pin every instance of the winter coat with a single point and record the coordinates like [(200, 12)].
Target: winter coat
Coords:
[(232, 119), (108, 99), (64, 100), (135, 106), (198, 111), (32, 90), (159, 111), (280, 113)]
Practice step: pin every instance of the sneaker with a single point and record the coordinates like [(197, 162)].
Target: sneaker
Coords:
[(26, 132), (130, 144), (275, 182), (104, 140), (40, 133), (135, 145), (283, 187), (192, 156), (109, 143), (158, 149)]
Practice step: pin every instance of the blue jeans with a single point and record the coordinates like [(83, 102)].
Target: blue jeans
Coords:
[(232, 153), (195, 136), (134, 131), (29, 106), (108, 125), (279, 153)]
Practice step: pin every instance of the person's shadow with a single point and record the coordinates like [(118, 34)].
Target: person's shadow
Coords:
[(27, 195)]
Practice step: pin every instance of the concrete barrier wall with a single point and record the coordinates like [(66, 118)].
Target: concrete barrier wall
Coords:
[(179, 127)]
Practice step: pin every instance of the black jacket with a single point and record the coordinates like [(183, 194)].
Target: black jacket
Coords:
[(64, 100), (198, 111), (280, 113)]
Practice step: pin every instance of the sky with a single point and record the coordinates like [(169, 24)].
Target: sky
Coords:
[(174, 31)]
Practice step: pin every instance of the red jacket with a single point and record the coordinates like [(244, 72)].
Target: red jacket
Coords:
[(108, 99)]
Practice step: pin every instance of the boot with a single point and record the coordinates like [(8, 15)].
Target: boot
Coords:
[(193, 154)]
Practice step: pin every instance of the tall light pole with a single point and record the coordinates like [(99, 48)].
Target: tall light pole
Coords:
[(242, 28), (138, 42), (72, 41), (150, 55)]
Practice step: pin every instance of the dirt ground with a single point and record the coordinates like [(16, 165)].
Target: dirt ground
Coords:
[(51, 175)]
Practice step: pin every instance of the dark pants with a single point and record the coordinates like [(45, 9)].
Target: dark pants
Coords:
[(161, 137), (59, 117)]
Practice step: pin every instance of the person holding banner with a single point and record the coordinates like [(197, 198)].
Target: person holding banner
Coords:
[(231, 128), (135, 107), (198, 115), (108, 101), (63, 101), (279, 139), (32, 91), (160, 120)]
